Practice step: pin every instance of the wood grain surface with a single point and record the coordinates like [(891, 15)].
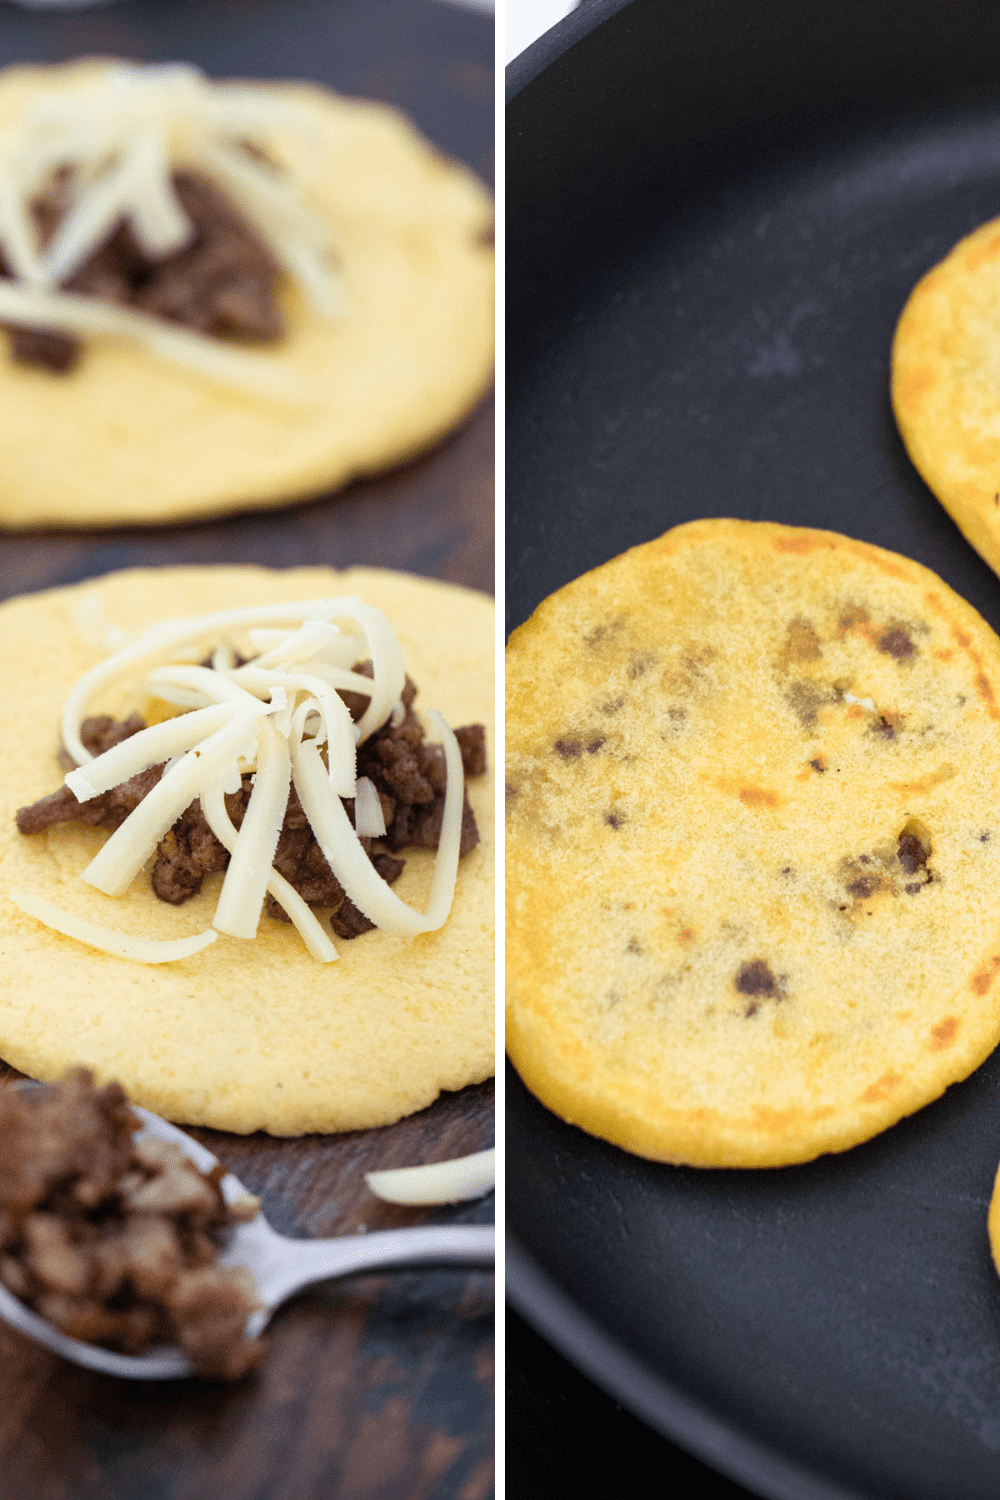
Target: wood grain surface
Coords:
[(378, 1387)]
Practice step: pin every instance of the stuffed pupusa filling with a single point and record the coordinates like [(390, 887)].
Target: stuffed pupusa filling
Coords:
[(149, 205), (300, 769)]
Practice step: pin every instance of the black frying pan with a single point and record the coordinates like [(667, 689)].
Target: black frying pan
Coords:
[(715, 211)]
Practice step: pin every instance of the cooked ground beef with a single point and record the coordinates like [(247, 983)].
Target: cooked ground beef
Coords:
[(113, 1240), (408, 774), (223, 283), (109, 809)]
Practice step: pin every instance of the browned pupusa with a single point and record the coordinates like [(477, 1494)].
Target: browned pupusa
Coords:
[(753, 844), (944, 385)]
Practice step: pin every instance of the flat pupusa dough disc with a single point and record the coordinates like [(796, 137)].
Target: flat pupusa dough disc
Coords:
[(132, 438), (245, 1035), (715, 951), (946, 385)]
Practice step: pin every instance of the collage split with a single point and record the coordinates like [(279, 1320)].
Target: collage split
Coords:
[(325, 326)]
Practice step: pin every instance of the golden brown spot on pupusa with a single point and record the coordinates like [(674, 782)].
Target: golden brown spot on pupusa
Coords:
[(943, 654), (909, 789), (983, 685), (614, 818), (684, 677), (777, 1121), (943, 1035), (801, 642), (633, 946), (568, 749), (612, 706), (984, 688), (818, 763), (852, 617), (686, 936), (757, 796), (981, 982), (882, 1088), (799, 546), (594, 745), (640, 665)]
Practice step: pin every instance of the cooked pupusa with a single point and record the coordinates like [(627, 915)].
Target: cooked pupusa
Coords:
[(946, 385), (752, 849)]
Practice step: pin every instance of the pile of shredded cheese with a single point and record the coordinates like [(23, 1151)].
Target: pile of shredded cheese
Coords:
[(279, 717), (121, 136)]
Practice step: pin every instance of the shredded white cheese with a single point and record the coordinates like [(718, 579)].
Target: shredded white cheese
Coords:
[(437, 1182), (121, 944), (280, 718), (260, 374), (118, 138)]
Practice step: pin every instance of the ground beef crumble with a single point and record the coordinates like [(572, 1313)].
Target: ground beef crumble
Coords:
[(408, 774), (223, 283), (113, 1240)]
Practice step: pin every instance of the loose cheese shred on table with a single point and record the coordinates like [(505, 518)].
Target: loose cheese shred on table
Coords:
[(120, 137), (437, 1182), (279, 718)]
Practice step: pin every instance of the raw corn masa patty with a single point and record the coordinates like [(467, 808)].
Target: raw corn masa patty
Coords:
[(946, 385), (247, 1034), (753, 844)]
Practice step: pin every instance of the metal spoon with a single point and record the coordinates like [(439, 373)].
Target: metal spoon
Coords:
[(280, 1267)]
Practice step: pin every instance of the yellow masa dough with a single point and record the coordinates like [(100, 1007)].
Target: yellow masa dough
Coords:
[(716, 952), (129, 437), (946, 385), (245, 1035)]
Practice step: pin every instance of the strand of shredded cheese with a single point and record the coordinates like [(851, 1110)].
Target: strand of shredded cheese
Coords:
[(257, 374), (348, 860), (437, 1182), (121, 944), (245, 885), (147, 748), (297, 910), (119, 861), (177, 635)]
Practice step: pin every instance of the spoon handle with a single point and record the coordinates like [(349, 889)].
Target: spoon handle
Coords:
[(305, 1261)]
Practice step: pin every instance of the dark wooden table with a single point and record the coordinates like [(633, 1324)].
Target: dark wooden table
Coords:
[(380, 1387)]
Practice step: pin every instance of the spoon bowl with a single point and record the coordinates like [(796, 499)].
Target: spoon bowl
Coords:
[(280, 1267)]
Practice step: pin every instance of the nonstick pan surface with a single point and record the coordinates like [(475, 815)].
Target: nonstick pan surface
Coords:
[(715, 213)]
